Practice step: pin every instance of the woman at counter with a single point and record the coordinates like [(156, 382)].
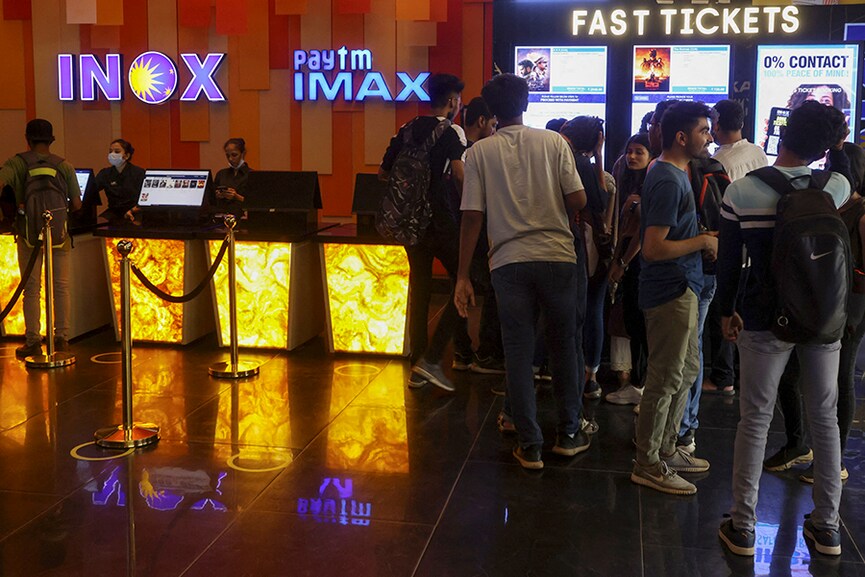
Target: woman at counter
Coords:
[(121, 182), (230, 182)]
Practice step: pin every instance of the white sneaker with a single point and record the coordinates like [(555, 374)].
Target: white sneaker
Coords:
[(627, 395)]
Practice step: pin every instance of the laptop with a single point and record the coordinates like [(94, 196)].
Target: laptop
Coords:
[(282, 201), (173, 197)]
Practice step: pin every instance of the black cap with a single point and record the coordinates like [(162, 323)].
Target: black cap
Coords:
[(39, 130)]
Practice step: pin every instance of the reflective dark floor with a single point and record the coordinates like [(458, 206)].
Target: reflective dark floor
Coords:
[(328, 465)]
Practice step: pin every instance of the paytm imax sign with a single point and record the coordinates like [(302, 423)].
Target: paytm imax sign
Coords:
[(348, 74), (152, 77)]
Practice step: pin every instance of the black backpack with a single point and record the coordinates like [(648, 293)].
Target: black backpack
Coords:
[(709, 181), (44, 189), (811, 261), (405, 211)]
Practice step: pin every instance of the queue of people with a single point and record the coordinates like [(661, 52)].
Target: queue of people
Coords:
[(675, 240)]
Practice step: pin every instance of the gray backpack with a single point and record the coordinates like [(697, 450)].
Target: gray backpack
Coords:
[(44, 189)]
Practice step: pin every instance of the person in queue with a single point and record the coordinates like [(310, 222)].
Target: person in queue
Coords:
[(525, 182), (230, 182), (120, 181), (14, 172)]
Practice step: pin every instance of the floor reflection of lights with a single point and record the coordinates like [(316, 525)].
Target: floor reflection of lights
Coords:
[(257, 460), (114, 358), (89, 447), (356, 370)]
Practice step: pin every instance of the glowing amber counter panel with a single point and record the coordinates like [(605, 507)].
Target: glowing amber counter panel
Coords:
[(279, 296), (367, 297), (176, 267), (90, 308)]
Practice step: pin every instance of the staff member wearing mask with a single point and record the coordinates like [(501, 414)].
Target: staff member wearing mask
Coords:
[(230, 182), (121, 182)]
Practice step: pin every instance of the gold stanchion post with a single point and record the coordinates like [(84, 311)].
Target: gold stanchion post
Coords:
[(52, 359), (234, 368), (129, 434)]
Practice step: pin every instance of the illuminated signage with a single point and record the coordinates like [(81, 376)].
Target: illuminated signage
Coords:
[(152, 77), (689, 21), (334, 504), (335, 73)]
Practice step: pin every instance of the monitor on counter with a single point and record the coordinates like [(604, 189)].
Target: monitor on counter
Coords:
[(174, 189), (85, 180)]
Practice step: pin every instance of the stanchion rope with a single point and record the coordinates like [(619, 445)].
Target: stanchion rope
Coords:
[(194, 292), (30, 265)]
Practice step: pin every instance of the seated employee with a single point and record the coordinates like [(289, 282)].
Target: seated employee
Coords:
[(230, 182), (121, 181)]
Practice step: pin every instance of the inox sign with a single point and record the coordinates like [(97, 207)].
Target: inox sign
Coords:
[(152, 77)]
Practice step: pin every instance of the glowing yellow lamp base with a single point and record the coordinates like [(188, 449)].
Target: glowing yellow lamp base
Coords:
[(263, 275), (10, 276), (367, 297), (161, 261)]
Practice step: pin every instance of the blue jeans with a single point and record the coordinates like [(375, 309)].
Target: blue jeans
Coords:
[(689, 418), (522, 290), (762, 360), (593, 329)]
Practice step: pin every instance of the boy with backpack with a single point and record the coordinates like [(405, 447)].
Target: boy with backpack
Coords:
[(42, 181), (796, 298), (424, 154)]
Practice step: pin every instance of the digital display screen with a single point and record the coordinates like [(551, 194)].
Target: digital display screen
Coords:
[(84, 175), (174, 188), (680, 72), (564, 81), (787, 76)]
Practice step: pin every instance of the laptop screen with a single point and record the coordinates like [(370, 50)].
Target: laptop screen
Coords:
[(85, 176), (174, 188)]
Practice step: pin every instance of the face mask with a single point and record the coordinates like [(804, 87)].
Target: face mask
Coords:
[(239, 164), (115, 159)]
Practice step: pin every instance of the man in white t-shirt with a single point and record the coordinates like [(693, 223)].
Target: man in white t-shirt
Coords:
[(738, 156), (525, 181)]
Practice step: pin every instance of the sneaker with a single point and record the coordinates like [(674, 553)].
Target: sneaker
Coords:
[(826, 541), (505, 423), (529, 457), (627, 395), (592, 390), (500, 388), (30, 350), (738, 541), (570, 445), (682, 462), (588, 426), (433, 373), (787, 457), (61, 345), (687, 442), (462, 361), (415, 381), (487, 366), (808, 475), (542, 373), (661, 478)]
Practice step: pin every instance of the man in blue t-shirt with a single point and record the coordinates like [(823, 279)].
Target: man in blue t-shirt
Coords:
[(670, 279)]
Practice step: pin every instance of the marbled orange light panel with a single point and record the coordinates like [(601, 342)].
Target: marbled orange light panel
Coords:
[(10, 276), (262, 272), (367, 297), (161, 261), (371, 437)]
